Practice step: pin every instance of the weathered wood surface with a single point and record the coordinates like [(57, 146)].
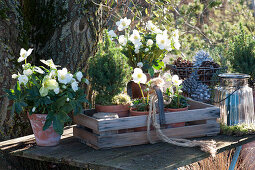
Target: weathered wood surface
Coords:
[(156, 156)]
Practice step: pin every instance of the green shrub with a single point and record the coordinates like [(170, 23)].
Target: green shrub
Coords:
[(121, 99), (108, 72), (241, 53)]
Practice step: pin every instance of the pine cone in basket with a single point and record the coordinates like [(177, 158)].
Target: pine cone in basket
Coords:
[(195, 89), (206, 71), (183, 67)]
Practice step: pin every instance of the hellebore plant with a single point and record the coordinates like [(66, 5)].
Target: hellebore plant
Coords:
[(139, 77), (50, 91), (173, 93), (147, 45)]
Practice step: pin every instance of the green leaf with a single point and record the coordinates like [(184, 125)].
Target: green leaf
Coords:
[(48, 121), (151, 71), (58, 126), (60, 101)]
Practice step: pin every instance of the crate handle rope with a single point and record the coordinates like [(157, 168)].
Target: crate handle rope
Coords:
[(206, 146)]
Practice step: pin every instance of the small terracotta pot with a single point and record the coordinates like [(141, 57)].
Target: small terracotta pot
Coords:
[(43, 138), (122, 110), (136, 91), (139, 113), (174, 125)]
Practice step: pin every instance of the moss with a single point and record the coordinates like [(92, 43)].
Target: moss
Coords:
[(237, 130)]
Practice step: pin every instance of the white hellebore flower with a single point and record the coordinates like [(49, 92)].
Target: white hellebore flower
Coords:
[(67, 99), (153, 28), (64, 77), (33, 110), (175, 35), (48, 84), (112, 34), (122, 40), (149, 42), (79, 76), (56, 90), (163, 42), (24, 54), (146, 49), (38, 70), (87, 81), (74, 86), (49, 63), (23, 79), (176, 81), (139, 76), (14, 76), (136, 50), (28, 72), (123, 23), (135, 37), (140, 64)]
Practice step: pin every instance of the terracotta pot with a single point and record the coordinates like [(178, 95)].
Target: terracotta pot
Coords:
[(43, 138), (174, 125), (139, 113), (122, 110), (136, 92)]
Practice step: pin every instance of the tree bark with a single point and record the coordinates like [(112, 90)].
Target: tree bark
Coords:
[(69, 44)]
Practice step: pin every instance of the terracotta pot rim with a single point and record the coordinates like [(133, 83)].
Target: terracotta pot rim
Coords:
[(176, 110), (113, 105)]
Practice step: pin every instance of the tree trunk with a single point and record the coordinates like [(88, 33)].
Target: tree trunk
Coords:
[(66, 31)]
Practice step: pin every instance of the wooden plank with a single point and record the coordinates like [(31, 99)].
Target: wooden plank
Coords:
[(149, 157), (171, 117), (198, 105), (86, 121), (138, 138), (85, 135)]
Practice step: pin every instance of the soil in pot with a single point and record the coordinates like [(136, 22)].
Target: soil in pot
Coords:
[(43, 138), (122, 110), (139, 113), (174, 125)]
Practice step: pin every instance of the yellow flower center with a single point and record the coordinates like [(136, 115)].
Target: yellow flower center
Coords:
[(123, 24), (135, 37), (162, 41), (139, 75), (62, 77)]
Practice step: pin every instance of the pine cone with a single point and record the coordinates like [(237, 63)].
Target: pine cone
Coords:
[(206, 71), (200, 57), (183, 68)]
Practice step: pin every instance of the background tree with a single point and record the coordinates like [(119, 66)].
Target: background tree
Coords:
[(65, 30)]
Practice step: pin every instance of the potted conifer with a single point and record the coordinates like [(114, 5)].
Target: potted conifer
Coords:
[(109, 74)]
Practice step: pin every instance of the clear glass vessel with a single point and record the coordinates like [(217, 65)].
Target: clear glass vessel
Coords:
[(235, 99)]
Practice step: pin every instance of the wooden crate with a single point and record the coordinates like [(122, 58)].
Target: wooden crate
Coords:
[(201, 118)]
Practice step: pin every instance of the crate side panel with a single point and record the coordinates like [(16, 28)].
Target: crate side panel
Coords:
[(171, 117), (198, 105), (85, 135), (138, 138), (86, 121)]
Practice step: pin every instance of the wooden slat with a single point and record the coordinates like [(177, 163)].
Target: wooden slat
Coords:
[(138, 138), (86, 121), (171, 117), (198, 105), (85, 135)]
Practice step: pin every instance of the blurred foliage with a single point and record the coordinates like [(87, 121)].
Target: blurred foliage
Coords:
[(204, 24), (241, 53)]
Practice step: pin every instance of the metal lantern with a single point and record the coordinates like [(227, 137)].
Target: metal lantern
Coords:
[(235, 99)]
